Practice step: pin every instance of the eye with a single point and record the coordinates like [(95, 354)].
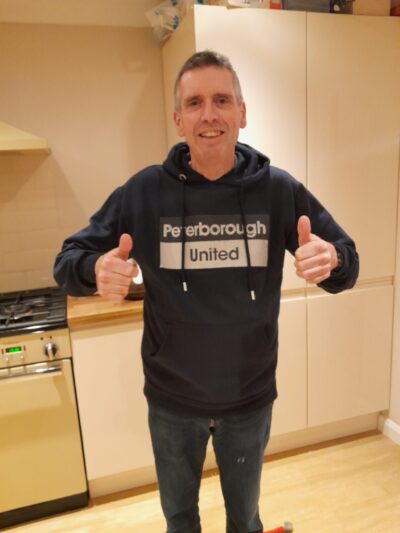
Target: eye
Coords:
[(192, 103), (222, 100)]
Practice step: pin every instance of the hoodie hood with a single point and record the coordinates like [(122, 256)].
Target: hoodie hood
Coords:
[(250, 165)]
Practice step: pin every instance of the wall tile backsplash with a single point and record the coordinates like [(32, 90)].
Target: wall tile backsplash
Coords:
[(31, 229)]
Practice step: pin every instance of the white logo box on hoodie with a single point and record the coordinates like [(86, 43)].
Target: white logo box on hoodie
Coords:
[(214, 241)]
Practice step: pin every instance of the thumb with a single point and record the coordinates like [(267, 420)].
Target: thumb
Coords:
[(125, 246), (304, 230)]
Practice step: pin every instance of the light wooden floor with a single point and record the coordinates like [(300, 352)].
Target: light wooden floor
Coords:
[(350, 486)]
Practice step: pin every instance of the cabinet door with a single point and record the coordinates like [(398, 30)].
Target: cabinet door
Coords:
[(113, 410), (290, 409), (353, 81), (349, 353)]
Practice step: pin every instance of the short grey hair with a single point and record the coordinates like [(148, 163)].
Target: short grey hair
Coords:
[(207, 58)]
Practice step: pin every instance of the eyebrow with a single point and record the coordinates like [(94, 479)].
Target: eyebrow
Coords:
[(192, 97), (188, 99), (228, 96)]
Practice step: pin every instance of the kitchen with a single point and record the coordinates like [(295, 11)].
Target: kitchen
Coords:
[(96, 94)]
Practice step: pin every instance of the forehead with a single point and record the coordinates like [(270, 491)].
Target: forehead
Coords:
[(206, 80)]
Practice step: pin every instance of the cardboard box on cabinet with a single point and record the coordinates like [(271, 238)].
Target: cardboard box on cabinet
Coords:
[(371, 7)]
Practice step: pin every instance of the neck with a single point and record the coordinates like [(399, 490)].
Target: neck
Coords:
[(212, 169)]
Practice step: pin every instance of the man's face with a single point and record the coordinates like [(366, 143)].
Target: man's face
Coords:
[(209, 116)]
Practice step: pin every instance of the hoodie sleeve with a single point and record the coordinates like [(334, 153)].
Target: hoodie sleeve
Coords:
[(74, 265), (324, 226)]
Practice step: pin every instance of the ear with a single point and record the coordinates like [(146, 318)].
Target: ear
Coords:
[(178, 124), (243, 120)]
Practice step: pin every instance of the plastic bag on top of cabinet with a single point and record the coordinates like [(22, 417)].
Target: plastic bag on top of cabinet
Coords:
[(165, 17)]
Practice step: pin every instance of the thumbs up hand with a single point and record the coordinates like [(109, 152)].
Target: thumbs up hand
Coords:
[(113, 272), (315, 258)]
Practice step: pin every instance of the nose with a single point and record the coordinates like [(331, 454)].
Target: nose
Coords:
[(209, 111)]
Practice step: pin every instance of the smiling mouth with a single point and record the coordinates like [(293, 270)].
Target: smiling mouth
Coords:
[(211, 134)]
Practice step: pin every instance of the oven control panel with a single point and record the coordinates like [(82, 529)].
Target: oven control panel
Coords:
[(35, 347)]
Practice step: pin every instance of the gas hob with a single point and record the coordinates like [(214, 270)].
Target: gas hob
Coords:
[(33, 310)]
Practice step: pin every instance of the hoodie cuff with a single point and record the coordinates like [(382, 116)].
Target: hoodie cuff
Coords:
[(86, 270)]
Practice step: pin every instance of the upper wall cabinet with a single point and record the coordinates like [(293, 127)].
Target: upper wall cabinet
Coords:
[(353, 110)]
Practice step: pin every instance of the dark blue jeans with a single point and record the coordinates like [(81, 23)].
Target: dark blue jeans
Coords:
[(179, 445)]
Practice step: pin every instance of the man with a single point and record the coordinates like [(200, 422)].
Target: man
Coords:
[(210, 228)]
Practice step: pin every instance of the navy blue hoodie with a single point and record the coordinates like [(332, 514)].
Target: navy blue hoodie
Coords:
[(212, 289)]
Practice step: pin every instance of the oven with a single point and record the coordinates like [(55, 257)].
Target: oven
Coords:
[(42, 468)]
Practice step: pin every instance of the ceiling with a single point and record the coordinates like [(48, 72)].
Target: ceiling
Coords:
[(86, 12)]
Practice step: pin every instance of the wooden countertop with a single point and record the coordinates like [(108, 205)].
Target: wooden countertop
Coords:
[(89, 310)]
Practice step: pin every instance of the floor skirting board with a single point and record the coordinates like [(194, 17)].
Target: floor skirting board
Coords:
[(389, 428)]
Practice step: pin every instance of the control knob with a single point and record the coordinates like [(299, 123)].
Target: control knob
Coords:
[(50, 350)]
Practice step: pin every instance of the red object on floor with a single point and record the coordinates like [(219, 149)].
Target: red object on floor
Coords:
[(274, 4), (395, 11), (286, 528)]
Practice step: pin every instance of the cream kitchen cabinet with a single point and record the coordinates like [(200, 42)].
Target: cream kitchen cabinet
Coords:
[(112, 407), (353, 110), (290, 409), (349, 354)]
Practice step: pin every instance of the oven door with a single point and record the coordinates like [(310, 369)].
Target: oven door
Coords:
[(41, 460)]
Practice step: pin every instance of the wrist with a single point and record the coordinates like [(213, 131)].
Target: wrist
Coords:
[(339, 261)]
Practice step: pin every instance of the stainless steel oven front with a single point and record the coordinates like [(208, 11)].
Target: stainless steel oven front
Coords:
[(42, 468)]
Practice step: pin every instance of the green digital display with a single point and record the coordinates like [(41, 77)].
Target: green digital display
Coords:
[(14, 349)]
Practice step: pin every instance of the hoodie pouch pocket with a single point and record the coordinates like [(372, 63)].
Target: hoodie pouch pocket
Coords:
[(217, 363)]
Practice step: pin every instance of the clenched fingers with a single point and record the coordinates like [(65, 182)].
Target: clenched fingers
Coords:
[(315, 260), (113, 277)]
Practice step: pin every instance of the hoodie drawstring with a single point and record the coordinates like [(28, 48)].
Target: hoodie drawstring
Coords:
[(183, 180), (250, 281)]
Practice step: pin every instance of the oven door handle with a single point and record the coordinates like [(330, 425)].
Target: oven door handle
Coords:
[(34, 373)]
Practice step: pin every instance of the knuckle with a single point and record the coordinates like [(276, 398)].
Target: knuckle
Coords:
[(103, 276), (106, 263)]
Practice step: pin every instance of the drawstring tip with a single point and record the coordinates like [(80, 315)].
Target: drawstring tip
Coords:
[(253, 295), (184, 286)]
